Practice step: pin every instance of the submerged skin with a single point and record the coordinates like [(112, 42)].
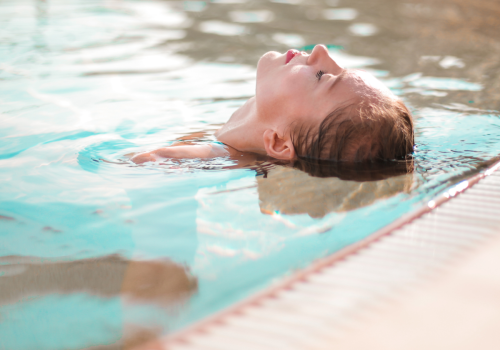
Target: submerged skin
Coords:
[(304, 90)]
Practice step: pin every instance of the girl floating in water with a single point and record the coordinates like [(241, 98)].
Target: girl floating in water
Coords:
[(306, 106)]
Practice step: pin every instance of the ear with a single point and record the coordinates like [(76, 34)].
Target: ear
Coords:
[(278, 147)]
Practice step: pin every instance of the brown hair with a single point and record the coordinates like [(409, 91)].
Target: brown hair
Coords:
[(351, 171), (366, 131)]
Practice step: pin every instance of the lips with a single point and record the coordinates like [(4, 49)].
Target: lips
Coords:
[(291, 54)]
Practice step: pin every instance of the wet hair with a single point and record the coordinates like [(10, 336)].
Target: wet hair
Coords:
[(379, 130), (352, 171)]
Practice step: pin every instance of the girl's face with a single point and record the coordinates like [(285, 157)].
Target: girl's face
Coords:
[(296, 86)]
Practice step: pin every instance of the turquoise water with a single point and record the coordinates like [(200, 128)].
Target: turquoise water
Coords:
[(96, 251)]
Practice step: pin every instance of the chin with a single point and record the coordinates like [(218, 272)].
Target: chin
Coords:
[(267, 60), (267, 63)]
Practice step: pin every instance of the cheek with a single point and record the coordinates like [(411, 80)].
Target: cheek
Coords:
[(273, 93), (294, 92), (281, 96), (280, 91)]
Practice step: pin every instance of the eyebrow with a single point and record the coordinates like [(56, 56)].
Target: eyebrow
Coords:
[(339, 78)]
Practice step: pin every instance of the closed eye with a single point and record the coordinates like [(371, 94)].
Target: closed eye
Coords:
[(319, 74)]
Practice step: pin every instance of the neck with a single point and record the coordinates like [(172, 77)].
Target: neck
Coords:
[(244, 131)]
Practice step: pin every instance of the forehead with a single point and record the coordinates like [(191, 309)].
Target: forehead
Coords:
[(363, 84)]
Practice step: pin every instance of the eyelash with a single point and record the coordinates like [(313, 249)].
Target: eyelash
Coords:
[(319, 74)]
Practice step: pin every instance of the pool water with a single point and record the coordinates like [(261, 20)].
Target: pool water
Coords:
[(97, 252)]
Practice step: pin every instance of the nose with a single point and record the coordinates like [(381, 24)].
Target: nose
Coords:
[(320, 57)]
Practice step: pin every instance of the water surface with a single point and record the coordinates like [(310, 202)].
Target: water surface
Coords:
[(98, 252)]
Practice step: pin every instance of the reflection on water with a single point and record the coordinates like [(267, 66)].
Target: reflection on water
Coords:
[(150, 281), (83, 83), (109, 282), (291, 191)]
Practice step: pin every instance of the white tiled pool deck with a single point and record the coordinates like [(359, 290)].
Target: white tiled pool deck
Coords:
[(459, 311), (430, 280)]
